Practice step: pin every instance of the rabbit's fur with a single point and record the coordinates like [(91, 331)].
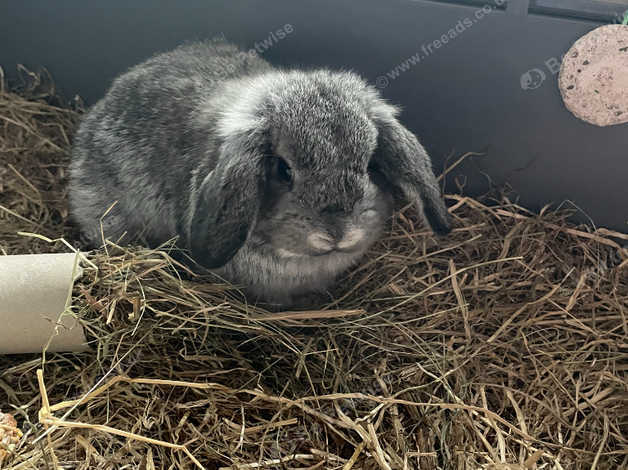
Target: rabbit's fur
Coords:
[(276, 180)]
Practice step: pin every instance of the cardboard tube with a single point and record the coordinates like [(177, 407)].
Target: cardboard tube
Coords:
[(34, 293)]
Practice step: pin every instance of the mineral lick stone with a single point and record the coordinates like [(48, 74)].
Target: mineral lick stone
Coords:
[(593, 78)]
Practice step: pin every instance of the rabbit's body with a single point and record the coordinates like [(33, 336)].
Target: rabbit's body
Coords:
[(142, 145), (276, 180)]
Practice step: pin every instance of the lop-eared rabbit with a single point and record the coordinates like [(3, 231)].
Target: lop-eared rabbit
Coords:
[(276, 180)]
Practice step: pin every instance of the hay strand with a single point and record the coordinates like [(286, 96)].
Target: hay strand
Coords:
[(503, 346)]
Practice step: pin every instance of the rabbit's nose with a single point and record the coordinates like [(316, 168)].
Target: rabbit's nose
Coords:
[(320, 241), (333, 209), (352, 238)]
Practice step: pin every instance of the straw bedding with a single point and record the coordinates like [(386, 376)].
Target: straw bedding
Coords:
[(503, 346)]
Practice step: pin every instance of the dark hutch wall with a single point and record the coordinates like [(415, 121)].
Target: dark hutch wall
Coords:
[(471, 75)]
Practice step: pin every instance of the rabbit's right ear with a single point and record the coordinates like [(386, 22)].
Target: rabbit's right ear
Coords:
[(227, 203)]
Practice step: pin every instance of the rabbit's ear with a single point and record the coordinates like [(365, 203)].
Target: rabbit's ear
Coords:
[(406, 165), (227, 204)]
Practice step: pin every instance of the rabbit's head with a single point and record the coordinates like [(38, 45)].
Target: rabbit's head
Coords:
[(308, 165)]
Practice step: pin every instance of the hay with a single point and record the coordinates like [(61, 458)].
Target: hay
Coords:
[(503, 346), (34, 134)]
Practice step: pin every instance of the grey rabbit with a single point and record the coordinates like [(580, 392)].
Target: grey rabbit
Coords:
[(276, 180)]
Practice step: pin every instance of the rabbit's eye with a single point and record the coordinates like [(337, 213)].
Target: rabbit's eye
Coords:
[(284, 173), (376, 174), (374, 167)]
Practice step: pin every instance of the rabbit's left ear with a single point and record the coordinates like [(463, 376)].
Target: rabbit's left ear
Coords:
[(406, 165), (228, 203)]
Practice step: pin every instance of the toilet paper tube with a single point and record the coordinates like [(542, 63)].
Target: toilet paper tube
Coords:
[(35, 293)]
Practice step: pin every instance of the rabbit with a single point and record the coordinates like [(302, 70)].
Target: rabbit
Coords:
[(276, 180)]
